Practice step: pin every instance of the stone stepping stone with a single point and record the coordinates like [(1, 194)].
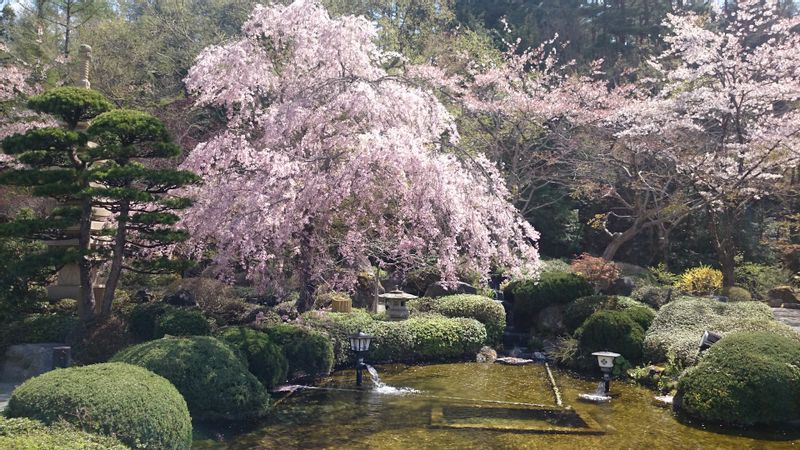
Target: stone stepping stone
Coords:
[(789, 316), (511, 361)]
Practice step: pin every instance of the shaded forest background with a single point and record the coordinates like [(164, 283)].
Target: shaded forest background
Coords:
[(142, 50)]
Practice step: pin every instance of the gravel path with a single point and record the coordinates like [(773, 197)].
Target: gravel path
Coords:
[(788, 316)]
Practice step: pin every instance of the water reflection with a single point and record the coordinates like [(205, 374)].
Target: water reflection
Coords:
[(365, 419)]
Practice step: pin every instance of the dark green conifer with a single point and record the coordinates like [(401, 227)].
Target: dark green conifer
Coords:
[(99, 166)]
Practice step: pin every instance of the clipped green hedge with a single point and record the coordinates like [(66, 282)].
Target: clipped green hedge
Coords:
[(678, 326), (745, 379), (144, 319), (26, 434), (265, 359), (483, 309), (37, 329), (553, 288), (338, 327), (138, 407), (612, 331), (421, 338), (309, 352), (214, 381), (643, 315), (182, 322), (578, 311)]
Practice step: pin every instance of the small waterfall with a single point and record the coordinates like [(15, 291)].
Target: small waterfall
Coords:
[(383, 388), (598, 396), (376, 379), (601, 389)]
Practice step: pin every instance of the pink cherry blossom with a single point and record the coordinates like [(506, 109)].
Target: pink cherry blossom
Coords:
[(329, 163)]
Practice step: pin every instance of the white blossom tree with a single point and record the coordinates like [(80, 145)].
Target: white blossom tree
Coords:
[(725, 111)]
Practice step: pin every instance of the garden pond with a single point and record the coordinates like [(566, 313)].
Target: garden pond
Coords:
[(477, 406)]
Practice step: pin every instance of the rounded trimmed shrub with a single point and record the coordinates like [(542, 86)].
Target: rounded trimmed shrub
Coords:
[(182, 322), (581, 309), (642, 315), (614, 331), (677, 327), (214, 381), (309, 353), (745, 379), (22, 433), (578, 311), (138, 407), (553, 288), (265, 359), (483, 309), (737, 294), (144, 319)]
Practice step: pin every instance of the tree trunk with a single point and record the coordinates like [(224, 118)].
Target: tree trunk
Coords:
[(116, 260), (68, 18), (86, 303), (307, 285), (721, 226), (618, 239), (665, 245)]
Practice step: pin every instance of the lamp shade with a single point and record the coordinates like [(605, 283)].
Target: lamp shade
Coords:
[(708, 339), (359, 342), (605, 359)]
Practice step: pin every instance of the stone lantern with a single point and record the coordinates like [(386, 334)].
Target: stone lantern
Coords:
[(396, 303)]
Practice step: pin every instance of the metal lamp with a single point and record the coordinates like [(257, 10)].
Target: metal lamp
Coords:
[(359, 344), (708, 339), (606, 362)]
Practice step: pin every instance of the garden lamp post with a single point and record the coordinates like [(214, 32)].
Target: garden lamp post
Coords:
[(709, 338), (606, 362), (359, 344)]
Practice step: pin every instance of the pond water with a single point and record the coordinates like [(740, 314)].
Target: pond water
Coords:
[(478, 406)]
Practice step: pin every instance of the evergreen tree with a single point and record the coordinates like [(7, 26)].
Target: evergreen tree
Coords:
[(138, 196), (56, 164), (62, 164)]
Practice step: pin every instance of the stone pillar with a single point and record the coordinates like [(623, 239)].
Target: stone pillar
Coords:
[(84, 65), (67, 283)]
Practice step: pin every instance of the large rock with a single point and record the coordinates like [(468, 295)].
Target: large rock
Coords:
[(550, 320), (142, 296), (486, 355), (512, 361), (181, 297), (783, 294), (439, 289), (622, 286), (627, 269), (24, 361)]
